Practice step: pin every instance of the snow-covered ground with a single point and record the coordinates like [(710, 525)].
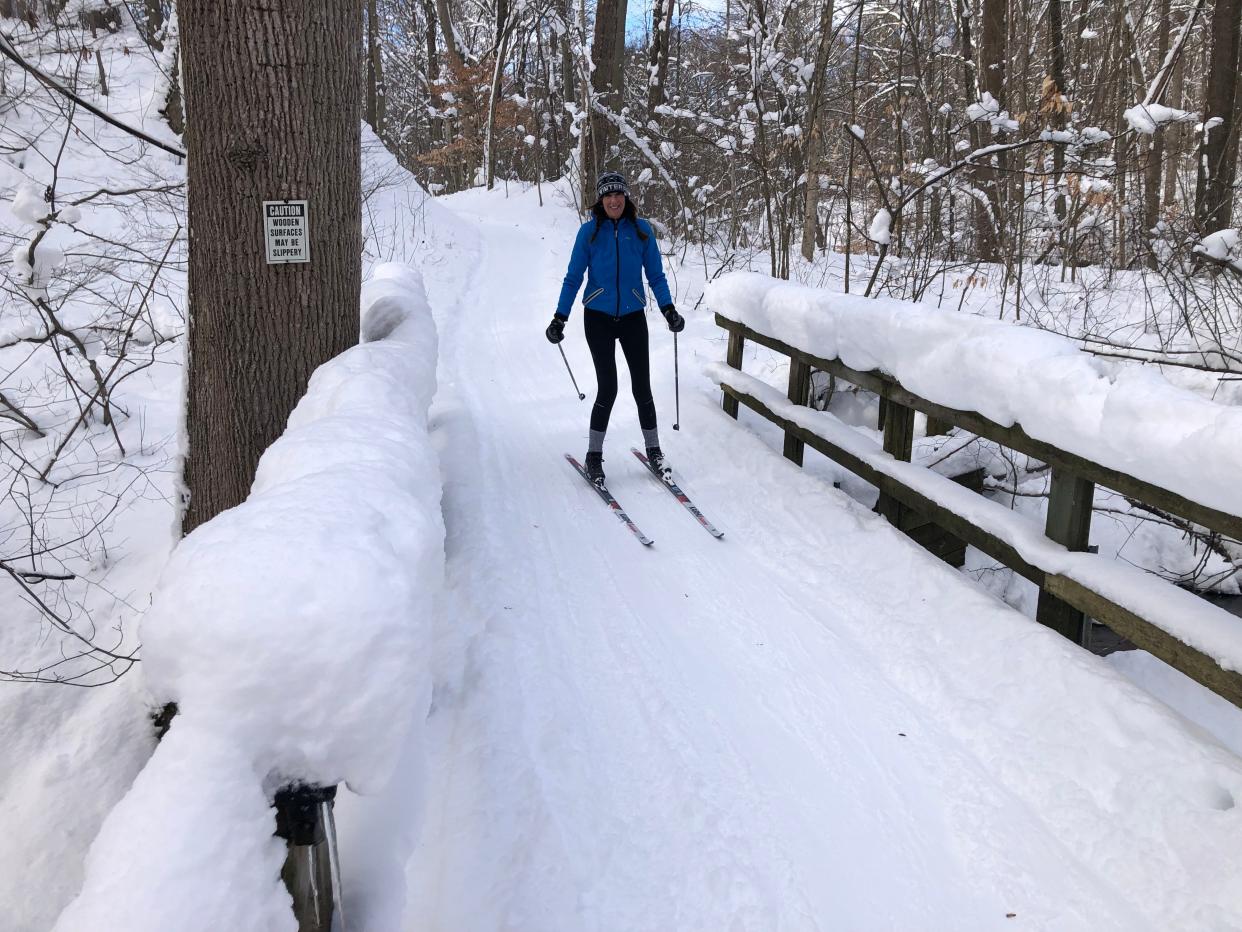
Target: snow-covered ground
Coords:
[(809, 724), (67, 754)]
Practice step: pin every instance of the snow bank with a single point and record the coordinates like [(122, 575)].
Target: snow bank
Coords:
[(1123, 417), (189, 848), (290, 631)]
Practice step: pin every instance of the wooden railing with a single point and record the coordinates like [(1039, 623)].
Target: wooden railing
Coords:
[(1066, 602)]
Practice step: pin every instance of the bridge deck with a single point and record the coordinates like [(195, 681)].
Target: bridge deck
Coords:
[(811, 724)]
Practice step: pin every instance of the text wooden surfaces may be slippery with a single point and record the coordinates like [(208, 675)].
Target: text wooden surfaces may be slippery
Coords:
[(286, 230)]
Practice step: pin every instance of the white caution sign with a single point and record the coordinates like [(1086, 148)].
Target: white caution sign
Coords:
[(286, 228)]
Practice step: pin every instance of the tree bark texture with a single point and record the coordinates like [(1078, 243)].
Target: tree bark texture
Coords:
[(450, 35), (273, 110), (814, 132), (606, 54), (435, 124), (1155, 150), (375, 72), (1175, 136), (1214, 191), (152, 23), (992, 57), (657, 61), (1057, 114), (569, 79)]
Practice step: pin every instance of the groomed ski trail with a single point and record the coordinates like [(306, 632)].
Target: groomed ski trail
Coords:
[(747, 734)]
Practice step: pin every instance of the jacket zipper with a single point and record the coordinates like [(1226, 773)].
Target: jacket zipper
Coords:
[(616, 238)]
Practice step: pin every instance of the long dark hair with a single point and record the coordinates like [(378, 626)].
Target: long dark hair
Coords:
[(630, 213)]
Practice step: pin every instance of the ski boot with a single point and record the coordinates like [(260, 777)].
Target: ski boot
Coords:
[(594, 467), (656, 458)]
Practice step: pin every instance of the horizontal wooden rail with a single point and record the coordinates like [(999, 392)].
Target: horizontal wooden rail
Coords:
[(1065, 602), (1013, 437), (952, 522)]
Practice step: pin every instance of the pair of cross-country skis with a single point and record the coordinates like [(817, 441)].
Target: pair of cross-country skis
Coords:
[(664, 478)]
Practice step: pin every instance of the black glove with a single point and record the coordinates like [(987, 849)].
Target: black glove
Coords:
[(556, 330), (676, 322)]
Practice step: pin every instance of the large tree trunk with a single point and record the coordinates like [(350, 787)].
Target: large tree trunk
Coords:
[(273, 110), (1218, 152), (606, 54)]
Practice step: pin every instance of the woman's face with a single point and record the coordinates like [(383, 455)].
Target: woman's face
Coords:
[(614, 205)]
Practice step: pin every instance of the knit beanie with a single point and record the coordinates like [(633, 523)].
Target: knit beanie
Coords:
[(611, 183)]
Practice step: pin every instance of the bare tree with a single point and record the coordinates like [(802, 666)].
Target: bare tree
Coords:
[(606, 87), (814, 130), (1219, 147), (376, 97)]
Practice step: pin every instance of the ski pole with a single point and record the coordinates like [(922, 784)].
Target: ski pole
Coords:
[(676, 386), (581, 397)]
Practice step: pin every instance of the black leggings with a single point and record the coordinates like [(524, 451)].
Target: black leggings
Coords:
[(603, 332)]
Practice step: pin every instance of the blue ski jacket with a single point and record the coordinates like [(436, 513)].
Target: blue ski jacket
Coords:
[(614, 259)]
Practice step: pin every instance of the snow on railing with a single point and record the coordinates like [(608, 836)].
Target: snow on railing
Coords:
[(292, 633), (1123, 417), (1029, 390)]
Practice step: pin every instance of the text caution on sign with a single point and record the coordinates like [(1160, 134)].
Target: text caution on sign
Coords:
[(286, 228)]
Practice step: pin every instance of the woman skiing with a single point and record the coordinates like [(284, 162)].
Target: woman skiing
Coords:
[(614, 249)]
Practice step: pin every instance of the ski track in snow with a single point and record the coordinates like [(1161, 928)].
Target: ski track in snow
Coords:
[(694, 736)]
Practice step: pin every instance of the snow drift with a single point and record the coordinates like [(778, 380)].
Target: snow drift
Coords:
[(315, 595)]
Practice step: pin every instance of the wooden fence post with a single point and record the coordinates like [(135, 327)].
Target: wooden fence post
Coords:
[(799, 393), (737, 343), (898, 443), (1069, 523), (307, 872)]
